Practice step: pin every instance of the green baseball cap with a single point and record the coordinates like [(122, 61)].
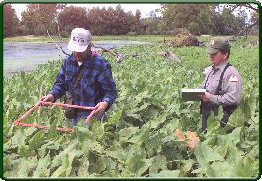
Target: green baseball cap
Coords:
[(218, 43)]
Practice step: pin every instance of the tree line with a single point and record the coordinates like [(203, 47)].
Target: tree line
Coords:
[(60, 19)]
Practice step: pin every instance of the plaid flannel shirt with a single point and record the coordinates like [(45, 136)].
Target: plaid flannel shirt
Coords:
[(96, 85)]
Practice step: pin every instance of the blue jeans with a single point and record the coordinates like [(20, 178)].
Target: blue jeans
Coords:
[(83, 115)]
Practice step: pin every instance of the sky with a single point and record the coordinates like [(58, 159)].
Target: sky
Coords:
[(144, 8)]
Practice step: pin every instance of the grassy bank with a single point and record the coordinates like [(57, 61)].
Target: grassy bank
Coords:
[(32, 38)]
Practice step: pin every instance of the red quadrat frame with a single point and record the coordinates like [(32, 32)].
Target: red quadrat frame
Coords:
[(19, 122)]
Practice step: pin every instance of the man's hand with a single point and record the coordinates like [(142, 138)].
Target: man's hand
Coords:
[(205, 97), (101, 107), (48, 98)]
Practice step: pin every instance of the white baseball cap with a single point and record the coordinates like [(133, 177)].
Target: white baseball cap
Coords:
[(80, 39)]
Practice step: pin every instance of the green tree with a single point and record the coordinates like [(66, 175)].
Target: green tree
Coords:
[(30, 18), (180, 15), (202, 18), (100, 20), (73, 17), (10, 21), (151, 25), (110, 21), (138, 21), (122, 21), (232, 24), (38, 18)]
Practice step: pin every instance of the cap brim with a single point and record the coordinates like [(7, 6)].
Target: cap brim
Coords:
[(76, 48), (212, 50)]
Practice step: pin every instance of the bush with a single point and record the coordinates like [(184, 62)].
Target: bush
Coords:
[(194, 28), (131, 33), (177, 31), (64, 34)]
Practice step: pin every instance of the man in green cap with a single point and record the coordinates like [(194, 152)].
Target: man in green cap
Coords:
[(223, 83)]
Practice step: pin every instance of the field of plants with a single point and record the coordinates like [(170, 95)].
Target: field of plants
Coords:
[(150, 131)]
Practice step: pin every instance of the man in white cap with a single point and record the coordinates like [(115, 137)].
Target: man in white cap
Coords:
[(84, 77), (222, 82)]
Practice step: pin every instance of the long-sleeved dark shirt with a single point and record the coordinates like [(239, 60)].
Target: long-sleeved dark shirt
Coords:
[(96, 85)]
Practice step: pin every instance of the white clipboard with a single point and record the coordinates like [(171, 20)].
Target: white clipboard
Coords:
[(192, 94)]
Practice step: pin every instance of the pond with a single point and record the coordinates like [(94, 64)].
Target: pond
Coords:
[(26, 56)]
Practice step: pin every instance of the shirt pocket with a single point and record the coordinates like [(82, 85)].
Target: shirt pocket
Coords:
[(69, 79), (88, 87)]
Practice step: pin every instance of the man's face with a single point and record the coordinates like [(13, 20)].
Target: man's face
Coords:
[(217, 58), (80, 56)]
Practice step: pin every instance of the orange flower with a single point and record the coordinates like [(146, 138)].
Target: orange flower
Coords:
[(192, 136), (179, 135), (191, 144)]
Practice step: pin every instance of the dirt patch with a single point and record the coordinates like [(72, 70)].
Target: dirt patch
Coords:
[(184, 38)]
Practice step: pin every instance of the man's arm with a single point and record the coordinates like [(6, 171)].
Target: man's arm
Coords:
[(108, 85), (59, 86)]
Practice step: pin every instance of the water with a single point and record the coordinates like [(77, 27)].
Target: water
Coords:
[(26, 56)]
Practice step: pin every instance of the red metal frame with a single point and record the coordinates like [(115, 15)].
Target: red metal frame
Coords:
[(18, 121)]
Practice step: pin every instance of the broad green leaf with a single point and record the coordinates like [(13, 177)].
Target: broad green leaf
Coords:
[(158, 162), (52, 133), (17, 140), (138, 165), (245, 167), (98, 130), (155, 123), (58, 159), (206, 154), (94, 146), (24, 151), (115, 118), (141, 136), (221, 169), (83, 133), (116, 154), (36, 141), (7, 162), (50, 145), (153, 145), (213, 123), (26, 166), (235, 136), (100, 165), (83, 167), (128, 132), (234, 154), (29, 131), (187, 165), (222, 150), (65, 169), (42, 169), (166, 173)]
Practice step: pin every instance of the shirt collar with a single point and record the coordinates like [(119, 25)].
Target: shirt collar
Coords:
[(221, 66), (85, 62)]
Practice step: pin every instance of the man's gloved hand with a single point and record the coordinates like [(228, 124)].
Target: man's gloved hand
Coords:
[(48, 98), (101, 107)]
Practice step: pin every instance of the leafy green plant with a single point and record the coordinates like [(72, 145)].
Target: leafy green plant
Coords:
[(138, 140)]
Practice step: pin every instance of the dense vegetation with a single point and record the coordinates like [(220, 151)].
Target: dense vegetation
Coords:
[(199, 19), (138, 140)]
